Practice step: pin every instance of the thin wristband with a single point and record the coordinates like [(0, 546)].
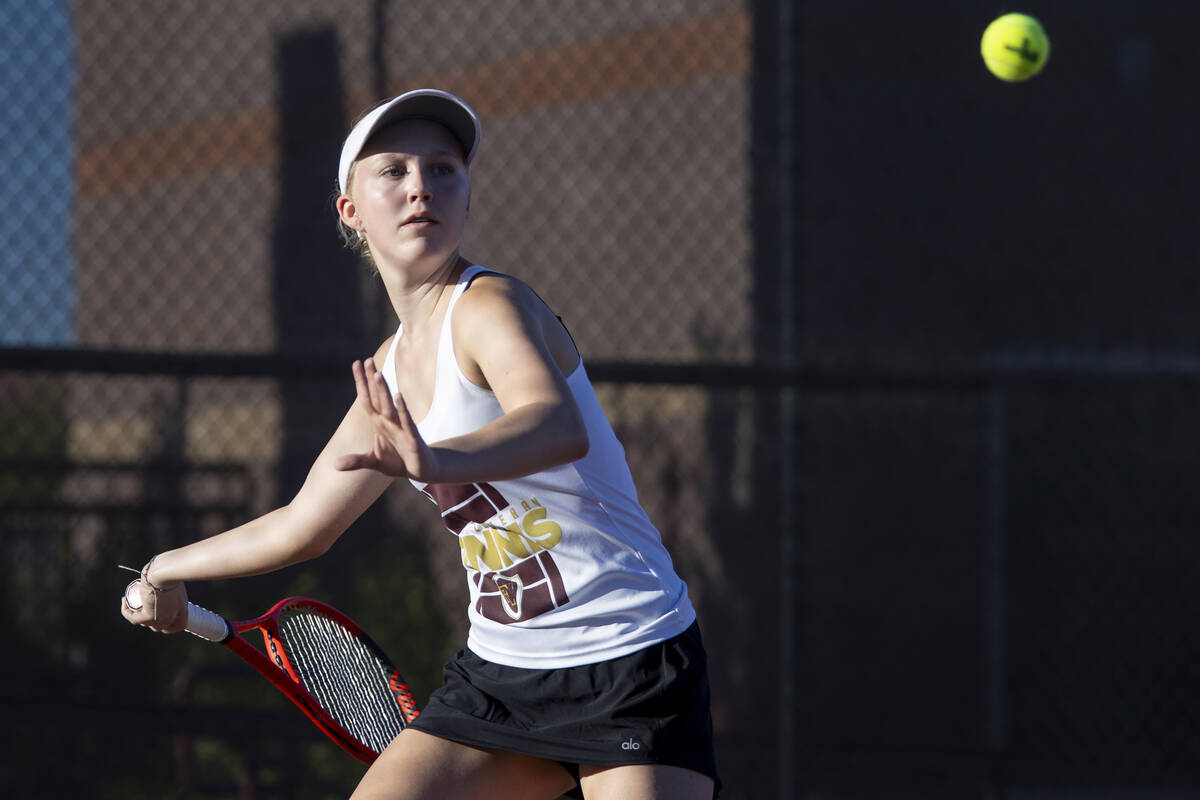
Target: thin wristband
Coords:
[(146, 579)]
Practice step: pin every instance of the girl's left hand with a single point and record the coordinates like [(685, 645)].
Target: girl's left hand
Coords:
[(398, 449)]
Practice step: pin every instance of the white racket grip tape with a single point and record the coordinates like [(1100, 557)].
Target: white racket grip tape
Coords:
[(207, 625)]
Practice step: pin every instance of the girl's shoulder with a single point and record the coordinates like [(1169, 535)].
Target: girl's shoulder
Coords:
[(490, 290), (495, 304)]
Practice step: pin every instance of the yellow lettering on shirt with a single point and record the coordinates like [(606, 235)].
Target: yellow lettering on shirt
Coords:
[(507, 542), (545, 533), (502, 544)]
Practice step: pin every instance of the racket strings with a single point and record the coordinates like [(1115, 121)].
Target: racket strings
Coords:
[(348, 677)]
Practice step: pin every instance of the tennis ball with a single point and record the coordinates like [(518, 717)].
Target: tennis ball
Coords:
[(1014, 47)]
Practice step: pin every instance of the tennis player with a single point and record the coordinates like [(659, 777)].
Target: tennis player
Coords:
[(583, 671)]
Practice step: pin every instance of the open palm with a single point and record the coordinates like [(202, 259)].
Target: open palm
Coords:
[(397, 449)]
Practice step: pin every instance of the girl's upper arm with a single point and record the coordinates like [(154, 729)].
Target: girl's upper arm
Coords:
[(501, 343)]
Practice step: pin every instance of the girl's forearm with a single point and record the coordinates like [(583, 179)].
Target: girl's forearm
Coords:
[(529, 439), (262, 545)]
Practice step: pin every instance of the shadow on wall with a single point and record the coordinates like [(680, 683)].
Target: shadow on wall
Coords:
[(316, 289)]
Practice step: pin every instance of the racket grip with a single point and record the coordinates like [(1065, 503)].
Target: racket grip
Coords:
[(206, 624)]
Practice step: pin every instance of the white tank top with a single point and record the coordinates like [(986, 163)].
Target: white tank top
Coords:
[(563, 566)]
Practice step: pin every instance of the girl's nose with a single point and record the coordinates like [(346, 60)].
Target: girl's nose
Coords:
[(418, 187)]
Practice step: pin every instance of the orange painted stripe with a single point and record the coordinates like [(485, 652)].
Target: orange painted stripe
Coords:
[(689, 50), (683, 52)]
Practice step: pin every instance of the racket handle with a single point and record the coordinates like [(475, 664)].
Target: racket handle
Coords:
[(207, 625)]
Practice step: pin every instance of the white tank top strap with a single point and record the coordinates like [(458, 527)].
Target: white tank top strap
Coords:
[(469, 274), (446, 357), (388, 368)]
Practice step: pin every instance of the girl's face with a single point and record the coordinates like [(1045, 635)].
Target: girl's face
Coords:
[(410, 193)]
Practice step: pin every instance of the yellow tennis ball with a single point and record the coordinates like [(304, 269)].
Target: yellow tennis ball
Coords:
[(1014, 47)]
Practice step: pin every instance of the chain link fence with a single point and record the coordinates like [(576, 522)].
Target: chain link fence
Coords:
[(900, 356)]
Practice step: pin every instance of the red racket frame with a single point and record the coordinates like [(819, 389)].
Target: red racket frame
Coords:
[(278, 669)]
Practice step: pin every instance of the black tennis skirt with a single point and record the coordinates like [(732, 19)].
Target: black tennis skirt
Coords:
[(648, 707)]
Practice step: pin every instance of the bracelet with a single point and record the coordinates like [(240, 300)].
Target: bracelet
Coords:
[(146, 579)]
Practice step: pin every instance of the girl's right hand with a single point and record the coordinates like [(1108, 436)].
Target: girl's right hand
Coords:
[(398, 449), (162, 610)]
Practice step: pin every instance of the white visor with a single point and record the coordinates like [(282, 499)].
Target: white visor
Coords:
[(431, 104)]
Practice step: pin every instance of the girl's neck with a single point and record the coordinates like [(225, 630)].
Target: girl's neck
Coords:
[(416, 301)]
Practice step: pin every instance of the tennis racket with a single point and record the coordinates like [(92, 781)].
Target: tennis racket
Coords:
[(325, 664)]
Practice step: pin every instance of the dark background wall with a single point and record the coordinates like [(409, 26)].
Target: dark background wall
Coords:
[(991, 580), (949, 213)]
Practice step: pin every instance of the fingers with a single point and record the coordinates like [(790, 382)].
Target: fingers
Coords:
[(139, 616), (127, 612), (379, 400), (381, 396), (360, 386), (144, 613), (403, 417), (396, 435), (373, 390)]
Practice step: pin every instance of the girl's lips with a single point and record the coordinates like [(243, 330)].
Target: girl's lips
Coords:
[(420, 219)]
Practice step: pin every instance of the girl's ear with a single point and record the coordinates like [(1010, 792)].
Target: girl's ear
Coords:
[(348, 212)]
